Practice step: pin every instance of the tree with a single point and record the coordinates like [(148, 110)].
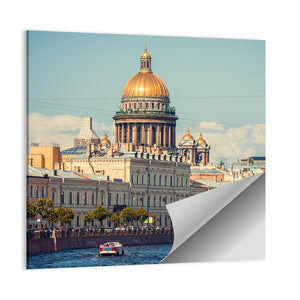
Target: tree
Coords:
[(100, 213), (128, 214), (115, 218), (65, 215), (44, 206), (31, 210), (142, 214), (88, 217), (52, 216)]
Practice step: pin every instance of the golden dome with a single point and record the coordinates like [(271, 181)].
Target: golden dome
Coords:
[(201, 140), (188, 136), (105, 140), (145, 84)]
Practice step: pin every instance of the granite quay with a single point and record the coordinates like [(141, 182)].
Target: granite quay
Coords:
[(47, 241)]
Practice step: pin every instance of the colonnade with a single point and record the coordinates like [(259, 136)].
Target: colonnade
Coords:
[(162, 134)]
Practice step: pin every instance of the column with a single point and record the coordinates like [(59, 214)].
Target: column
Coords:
[(116, 133), (165, 135), (143, 134), (170, 136), (174, 136), (158, 135), (123, 133), (135, 134), (151, 135), (128, 133)]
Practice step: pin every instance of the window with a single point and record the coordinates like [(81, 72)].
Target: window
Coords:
[(93, 199), (62, 198), (152, 105), (53, 197), (154, 180), (159, 180), (78, 221), (140, 105), (186, 182), (31, 191), (171, 179), (117, 199), (159, 201), (137, 178), (85, 198), (177, 182), (132, 177), (142, 179), (124, 199), (37, 192), (166, 179), (154, 201), (70, 198), (78, 198), (102, 202), (181, 182), (43, 191)]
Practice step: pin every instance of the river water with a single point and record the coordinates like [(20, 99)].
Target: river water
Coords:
[(133, 255)]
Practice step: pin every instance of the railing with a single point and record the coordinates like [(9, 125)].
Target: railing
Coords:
[(147, 112), (44, 234)]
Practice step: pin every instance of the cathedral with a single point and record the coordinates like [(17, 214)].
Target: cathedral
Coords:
[(146, 117)]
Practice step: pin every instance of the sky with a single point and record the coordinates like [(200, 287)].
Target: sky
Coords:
[(216, 85)]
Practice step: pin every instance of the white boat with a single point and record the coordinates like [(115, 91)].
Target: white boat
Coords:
[(111, 248)]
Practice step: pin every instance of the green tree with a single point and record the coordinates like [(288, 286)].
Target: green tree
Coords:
[(100, 213), (52, 216), (88, 217), (141, 214), (64, 215), (44, 206), (128, 214), (31, 210), (115, 218)]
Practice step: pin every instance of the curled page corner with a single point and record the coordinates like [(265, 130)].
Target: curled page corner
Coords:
[(205, 231)]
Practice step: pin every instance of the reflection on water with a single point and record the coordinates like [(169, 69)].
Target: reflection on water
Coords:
[(133, 255)]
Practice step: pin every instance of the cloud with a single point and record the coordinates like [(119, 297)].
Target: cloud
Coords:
[(227, 144), (60, 129), (211, 125)]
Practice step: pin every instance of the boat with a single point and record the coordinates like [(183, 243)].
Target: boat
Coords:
[(111, 248)]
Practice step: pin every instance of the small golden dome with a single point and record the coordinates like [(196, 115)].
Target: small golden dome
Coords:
[(188, 136), (201, 140), (105, 140), (145, 84)]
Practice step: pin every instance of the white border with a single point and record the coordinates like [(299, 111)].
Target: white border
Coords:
[(275, 22)]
